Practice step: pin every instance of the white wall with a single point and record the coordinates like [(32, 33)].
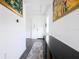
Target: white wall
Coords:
[(36, 11), (38, 25), (12, 34), (28, 27), (35, 26), (66, 29)]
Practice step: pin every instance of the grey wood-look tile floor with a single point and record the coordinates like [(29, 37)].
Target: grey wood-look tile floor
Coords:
[(36, 51)]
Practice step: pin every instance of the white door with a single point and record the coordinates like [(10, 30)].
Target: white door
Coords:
[(38, 26)]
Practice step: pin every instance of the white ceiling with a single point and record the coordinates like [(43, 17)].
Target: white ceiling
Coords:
[(37, 7)]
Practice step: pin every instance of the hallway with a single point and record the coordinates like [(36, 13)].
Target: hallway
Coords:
[(21, 36)]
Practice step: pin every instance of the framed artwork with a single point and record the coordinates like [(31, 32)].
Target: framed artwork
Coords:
[(63, 7), (14, 5)]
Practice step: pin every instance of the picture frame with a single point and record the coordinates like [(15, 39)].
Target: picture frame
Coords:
[(63, 7), (14, 5)]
